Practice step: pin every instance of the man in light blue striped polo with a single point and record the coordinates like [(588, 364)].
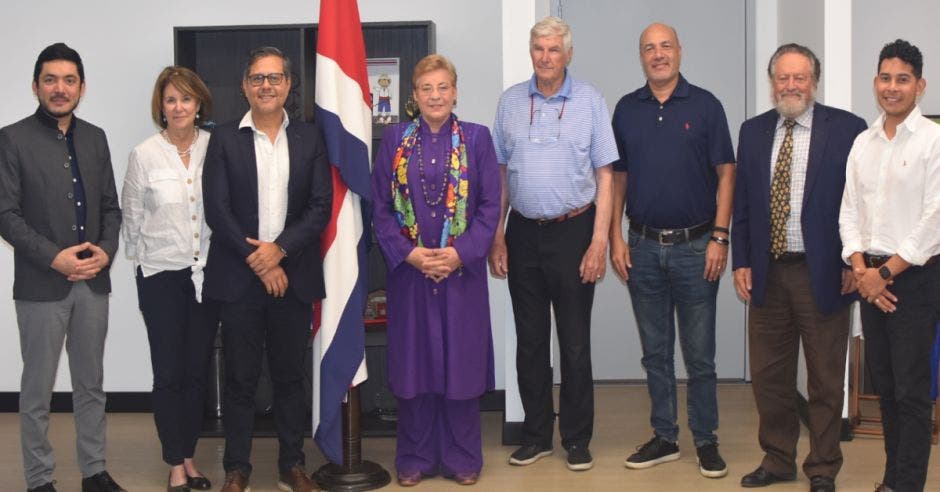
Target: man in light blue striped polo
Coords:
[(555, 145)]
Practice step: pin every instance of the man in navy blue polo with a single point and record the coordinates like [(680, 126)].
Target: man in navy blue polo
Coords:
[(676, 150)]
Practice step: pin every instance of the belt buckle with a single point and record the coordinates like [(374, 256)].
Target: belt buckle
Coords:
[(664, 233)]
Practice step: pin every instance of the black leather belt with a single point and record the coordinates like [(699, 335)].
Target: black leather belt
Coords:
[(790, 257), (875, 261), (668, 237)]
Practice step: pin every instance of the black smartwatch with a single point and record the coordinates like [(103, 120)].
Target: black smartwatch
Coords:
[(885, 272)]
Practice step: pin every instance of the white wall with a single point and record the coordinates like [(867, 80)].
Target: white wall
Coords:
[(873, 26), (124, 45)]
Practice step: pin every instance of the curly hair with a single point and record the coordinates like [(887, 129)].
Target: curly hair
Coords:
[(904, 51)]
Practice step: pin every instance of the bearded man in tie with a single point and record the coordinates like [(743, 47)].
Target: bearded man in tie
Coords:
[(786, 260)]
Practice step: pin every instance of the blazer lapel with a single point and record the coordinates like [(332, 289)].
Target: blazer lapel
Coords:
[(246, 143), (764, 152), (294, 148), (817, 145)]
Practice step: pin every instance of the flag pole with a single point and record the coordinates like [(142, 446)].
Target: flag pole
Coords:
[(354, 474)]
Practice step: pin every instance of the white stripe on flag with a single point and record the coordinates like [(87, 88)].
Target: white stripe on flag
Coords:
[(340, 271), (342, 96)]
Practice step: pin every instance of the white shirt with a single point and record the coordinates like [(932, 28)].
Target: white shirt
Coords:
[(164, 227), (802, 131), (273, 161), (891, 203)]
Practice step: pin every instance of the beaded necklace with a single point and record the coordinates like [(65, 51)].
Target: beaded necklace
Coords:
[(424, 182), (455, 210)]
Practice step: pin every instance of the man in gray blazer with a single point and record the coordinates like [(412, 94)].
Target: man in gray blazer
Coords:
[(59, 211)]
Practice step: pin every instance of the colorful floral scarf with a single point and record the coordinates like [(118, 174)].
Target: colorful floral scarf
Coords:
[(455, 213)]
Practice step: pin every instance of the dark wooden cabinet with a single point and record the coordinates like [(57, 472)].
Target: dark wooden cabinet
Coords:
[(218, 54)]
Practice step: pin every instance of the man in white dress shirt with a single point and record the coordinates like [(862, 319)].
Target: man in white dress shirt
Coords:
[(267, 192), (890, 228)]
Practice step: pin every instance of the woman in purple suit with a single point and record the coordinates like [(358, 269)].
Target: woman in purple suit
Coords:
[(436, 188)]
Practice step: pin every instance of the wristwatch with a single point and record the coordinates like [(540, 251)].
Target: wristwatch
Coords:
[(885, 272)]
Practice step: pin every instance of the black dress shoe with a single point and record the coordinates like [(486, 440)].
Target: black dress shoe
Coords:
[(177, 488), (198, 483), (46, 487), (820, 483), (762, 478), (101, 482)]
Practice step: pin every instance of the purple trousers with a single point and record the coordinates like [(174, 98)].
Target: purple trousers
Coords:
[(437, 435)]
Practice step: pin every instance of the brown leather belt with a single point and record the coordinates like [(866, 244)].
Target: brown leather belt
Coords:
[(668, 237), (561, 218), (875, 261)]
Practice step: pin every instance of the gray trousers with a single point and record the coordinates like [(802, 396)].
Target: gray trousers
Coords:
[(81, 322)]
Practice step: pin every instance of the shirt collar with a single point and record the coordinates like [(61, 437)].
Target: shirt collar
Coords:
[(910, 123), (249, 122), (52, 122), (681, 90), (805, 120), (564, 92)]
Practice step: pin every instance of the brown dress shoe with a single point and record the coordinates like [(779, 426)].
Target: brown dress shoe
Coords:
[(235, 481), (296, 480)]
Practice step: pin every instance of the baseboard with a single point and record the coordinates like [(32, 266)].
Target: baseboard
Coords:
[(118, 401), (374, 424)]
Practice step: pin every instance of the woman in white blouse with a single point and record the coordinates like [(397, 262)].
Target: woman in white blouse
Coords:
[(166, 236)]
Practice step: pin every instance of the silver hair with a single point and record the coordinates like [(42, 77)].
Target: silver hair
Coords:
[(798, 49), (551, 26)]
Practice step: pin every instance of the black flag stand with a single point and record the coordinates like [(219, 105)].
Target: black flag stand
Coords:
[(355, 474)]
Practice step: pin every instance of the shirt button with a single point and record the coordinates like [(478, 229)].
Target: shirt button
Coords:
[(435, 290), (74, 227), (78, 204), (66, 165), (59, 136), (196, 235), (70, 157), (660, 118), (192, 198), (196, 253), (189, 181), (69, 195), (82, 227), (194, 216)]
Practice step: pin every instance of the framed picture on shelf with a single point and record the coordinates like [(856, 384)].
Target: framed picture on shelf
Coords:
[(384, 85)]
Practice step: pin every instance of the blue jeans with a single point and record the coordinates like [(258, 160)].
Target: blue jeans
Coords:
[(666, 282)]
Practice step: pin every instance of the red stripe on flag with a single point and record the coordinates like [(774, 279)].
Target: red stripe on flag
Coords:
[(339, 195), (336, 18)]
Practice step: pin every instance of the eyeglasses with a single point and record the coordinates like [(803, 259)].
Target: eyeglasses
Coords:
[(428, 89), (545, 122), (275, 78)]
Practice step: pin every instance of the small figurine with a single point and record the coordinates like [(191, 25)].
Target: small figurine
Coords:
[(384, 110)]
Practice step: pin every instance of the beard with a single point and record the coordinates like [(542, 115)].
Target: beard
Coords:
[(789, 107), (58, 113)]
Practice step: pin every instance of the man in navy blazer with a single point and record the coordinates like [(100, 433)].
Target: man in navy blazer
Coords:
[(790, 270), (268, 193)]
